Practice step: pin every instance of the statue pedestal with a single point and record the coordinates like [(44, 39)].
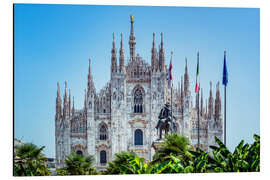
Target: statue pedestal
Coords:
[(157, 143)]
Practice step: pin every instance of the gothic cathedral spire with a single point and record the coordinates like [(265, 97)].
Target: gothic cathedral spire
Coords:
[(85, 101), (65, 110), (90, 84), (161, 55), (186, 80), (154, 55), (122, 58), (205, 109), (69, 104), (132, 41), (217, 103), (201, 110), (210, 103), (73, 108), (113, 59), (182, 96), (58, 103)]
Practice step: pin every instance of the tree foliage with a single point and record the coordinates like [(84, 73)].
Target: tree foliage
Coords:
[(175, 155), (175, 145), (29, 161), (76, 164), (245, 158)]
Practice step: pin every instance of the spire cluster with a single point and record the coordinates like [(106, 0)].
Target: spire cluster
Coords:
[(210, 108), (158, 58), (66, 110)]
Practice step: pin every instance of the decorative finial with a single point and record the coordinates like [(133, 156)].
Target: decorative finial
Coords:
[(131, 18), (224, 52), (58, 89), (113, 36)]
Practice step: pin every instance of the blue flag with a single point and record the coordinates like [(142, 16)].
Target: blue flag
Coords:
[(225, 72)]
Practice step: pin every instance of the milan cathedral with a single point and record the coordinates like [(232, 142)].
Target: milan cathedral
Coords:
[(122, 116)]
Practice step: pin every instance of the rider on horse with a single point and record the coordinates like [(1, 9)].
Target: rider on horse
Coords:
[(164, 120)]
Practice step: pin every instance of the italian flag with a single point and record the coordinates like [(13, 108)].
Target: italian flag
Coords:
[(197, 88), (170, 75)]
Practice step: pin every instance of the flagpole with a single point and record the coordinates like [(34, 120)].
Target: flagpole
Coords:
[(224, 82), (197, 89), (171, 110), (171, 98), (225, 115), (198, 119)]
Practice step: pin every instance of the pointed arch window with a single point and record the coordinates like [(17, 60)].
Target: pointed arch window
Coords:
[(103, 157), (138, 135), (138, 101), (103, 134)]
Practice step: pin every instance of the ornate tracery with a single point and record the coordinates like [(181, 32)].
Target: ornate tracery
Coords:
[(103, 133), (138, 101)]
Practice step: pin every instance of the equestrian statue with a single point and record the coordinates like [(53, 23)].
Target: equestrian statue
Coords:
[(165, 120)]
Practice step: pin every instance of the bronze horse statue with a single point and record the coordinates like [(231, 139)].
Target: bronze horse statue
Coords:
[(164, 122)]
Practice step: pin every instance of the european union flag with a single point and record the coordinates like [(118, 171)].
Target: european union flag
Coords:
[(225, 72)]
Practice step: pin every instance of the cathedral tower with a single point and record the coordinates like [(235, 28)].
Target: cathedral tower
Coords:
[(90, 106)]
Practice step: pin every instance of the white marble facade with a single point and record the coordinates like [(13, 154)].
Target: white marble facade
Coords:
[(122, 116)]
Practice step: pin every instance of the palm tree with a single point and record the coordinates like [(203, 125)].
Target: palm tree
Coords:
[(29, 161), (78, 165), (175, 145), (131, 163), (121, 160)]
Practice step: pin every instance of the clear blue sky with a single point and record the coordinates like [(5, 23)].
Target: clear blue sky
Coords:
[(53, 43)]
